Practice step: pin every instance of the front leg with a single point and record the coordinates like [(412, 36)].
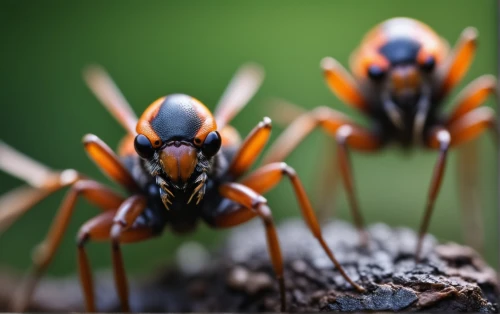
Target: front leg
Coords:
[(472, 96), (108, 162), (439, 139), (251, 148), (268, 176), (117, 226), (349, 136), (464, 129), (254, 204), (343, 84), (459, 61)]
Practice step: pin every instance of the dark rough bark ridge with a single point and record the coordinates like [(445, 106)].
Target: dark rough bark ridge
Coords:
[(239, 277)]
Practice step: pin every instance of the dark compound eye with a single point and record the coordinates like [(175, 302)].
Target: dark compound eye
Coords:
[(143, 147), (375, 72), (212, 144), (429, 64)]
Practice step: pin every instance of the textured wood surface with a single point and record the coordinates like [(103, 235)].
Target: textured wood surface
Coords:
[(238, 276)]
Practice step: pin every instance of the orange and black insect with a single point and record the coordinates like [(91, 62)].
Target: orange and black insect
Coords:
[(179, 164), (403, 72)]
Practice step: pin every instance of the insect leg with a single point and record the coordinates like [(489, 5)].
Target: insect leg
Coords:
[(463, 131), (459, 61), (125, 217), (257, 204), (268, 176), (466, 128), (15, 203), (439, 139), (285, 113), (42, 181), (96, 228), (326, 118), (101, 228), (251, 148), (108, 162), (472, 124), (343, 84), (359, 139), (96, 193), (332, 122), (472, 96)]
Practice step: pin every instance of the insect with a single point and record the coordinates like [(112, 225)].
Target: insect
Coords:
[(179, 164), (403, 72)]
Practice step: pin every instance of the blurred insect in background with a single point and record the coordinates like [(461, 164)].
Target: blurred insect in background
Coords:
[(178, 163), (403, 72)]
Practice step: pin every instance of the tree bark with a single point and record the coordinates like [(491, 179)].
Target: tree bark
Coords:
[(238, 277)]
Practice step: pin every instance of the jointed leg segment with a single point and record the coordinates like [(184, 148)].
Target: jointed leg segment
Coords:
[(439, 139), (117, 226), (251, 148), (250, 200), (346, 134), (460, 60), (473, 96), (343, 84), (45, 182), (94, 192), (268, 176), (122, 222), (472, 124), (465, 128), (42, 181), (108, 162), (248, 195), (350, 136), (96, 228), (328, 119)]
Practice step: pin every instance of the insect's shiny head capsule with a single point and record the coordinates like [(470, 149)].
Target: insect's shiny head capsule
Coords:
[(400, 56), (176, 134)]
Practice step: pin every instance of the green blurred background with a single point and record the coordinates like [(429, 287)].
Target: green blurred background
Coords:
[(153, 48)]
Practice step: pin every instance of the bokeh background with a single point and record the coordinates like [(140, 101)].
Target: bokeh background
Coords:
[(158, 47)]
